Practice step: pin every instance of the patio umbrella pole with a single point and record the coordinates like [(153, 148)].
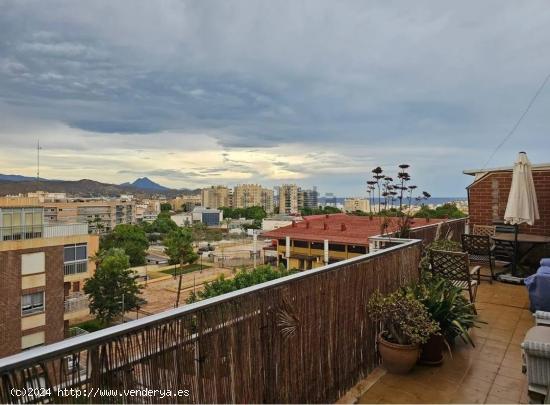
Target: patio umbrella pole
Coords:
[(514, 260)]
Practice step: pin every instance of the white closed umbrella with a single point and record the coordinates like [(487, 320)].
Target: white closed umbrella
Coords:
[(522, 206)]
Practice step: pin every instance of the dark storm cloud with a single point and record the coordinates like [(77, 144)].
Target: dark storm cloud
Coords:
[(320, 75)]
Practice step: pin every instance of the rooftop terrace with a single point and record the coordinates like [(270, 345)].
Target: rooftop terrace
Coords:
[(488, 373)]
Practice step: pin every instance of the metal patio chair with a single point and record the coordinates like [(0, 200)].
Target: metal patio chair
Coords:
[(455, 266), (480, 250), (484, 230)]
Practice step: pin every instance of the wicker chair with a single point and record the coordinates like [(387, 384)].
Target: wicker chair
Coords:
[(455, 266), (536, 348), (480, 250), (484, 230)]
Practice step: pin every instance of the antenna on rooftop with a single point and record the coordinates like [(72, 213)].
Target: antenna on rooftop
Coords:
[(38, 147)]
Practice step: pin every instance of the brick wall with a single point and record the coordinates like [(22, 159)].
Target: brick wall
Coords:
[(488, 198), (10, 298)]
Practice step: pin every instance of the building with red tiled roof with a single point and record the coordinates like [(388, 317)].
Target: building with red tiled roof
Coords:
[(347, 236)]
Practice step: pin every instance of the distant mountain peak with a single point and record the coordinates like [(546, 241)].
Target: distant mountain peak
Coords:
[(146, 184)]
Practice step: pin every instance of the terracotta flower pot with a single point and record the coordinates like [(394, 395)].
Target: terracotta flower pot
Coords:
[(432, 351), (396, 358)]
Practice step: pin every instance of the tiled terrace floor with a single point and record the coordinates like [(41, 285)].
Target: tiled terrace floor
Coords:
[(488, 373)]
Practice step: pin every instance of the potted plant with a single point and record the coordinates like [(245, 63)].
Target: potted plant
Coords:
[(405, 325), (447, 306)]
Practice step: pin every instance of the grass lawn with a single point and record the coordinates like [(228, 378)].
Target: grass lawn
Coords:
[(91, 326), (189, 268)]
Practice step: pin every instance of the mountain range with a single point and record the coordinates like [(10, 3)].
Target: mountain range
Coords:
[(146, 184), (143, 187)]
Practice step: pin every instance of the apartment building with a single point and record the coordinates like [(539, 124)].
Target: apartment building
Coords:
[(43, 267), (186, 202), (215, 197), (101, 215), (356, 204), (252, 195), (308, 198), (289, 199)]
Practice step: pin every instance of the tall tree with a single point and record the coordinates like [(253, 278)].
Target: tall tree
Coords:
[(179, 247), (113, 288), (132, 239)]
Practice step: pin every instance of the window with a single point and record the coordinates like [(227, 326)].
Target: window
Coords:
[(300, 244), (337, 247), (318, 245), (32, 303), (357, 249), (75, 259)]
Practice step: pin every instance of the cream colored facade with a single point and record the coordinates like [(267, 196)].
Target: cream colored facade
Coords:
[(252, 195), (356, 204), (215, 197), (178, 202), (101, 215), (289, 199)]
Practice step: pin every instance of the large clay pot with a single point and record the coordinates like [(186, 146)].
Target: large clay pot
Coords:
[(432, 351), (396, 358)]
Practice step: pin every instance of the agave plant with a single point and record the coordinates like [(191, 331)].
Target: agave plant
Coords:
[(447, 306)]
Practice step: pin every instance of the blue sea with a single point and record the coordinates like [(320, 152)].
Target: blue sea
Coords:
[(431, 200)]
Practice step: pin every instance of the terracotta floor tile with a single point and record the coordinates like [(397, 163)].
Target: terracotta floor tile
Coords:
[(490, 372), (468, 396), (495, 399), (513, 372), (505, 381), (512, 391)]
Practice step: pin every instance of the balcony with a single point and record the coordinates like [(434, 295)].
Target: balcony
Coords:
[(42, 231), (76, 302), (489, 373), (309, 333)]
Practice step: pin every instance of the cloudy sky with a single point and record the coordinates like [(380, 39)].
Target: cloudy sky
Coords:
[(192, 93)]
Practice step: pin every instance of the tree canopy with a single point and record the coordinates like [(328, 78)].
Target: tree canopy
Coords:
[(243, 278), (132, 239), (448, 210), (112, 283), (179, 246), (163, 224), (320, 211), (256, 213)]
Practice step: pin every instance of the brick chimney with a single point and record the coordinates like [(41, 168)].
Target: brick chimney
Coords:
[(343, 227), (325, 226), (307, 224), (326, 216)]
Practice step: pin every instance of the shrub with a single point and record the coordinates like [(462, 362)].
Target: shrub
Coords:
[(405, 320)]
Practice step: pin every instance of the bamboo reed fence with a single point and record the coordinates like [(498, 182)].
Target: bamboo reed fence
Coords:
[(305, 338)]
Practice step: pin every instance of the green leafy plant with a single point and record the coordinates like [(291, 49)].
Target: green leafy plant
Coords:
[(405, 320), (446, 305), (112, 284)]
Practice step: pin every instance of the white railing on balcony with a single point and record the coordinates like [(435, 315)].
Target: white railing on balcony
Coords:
[(75, 267), (42, 231), (76, 303), (52, 231)]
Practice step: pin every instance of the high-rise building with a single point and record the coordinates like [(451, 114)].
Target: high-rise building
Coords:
[(309, 198), (252, 195), (356, 204), (215, 197), (43, 267), (289, 199)]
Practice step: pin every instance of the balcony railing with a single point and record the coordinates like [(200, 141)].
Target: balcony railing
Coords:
[(42, 231), (451, 229), (302, 338), (72, 268), (77, 303)]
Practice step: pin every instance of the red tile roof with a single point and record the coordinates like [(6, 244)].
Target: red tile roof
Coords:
[(341, 228)]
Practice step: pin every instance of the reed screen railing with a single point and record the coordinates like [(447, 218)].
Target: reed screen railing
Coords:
[(303, 338)]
